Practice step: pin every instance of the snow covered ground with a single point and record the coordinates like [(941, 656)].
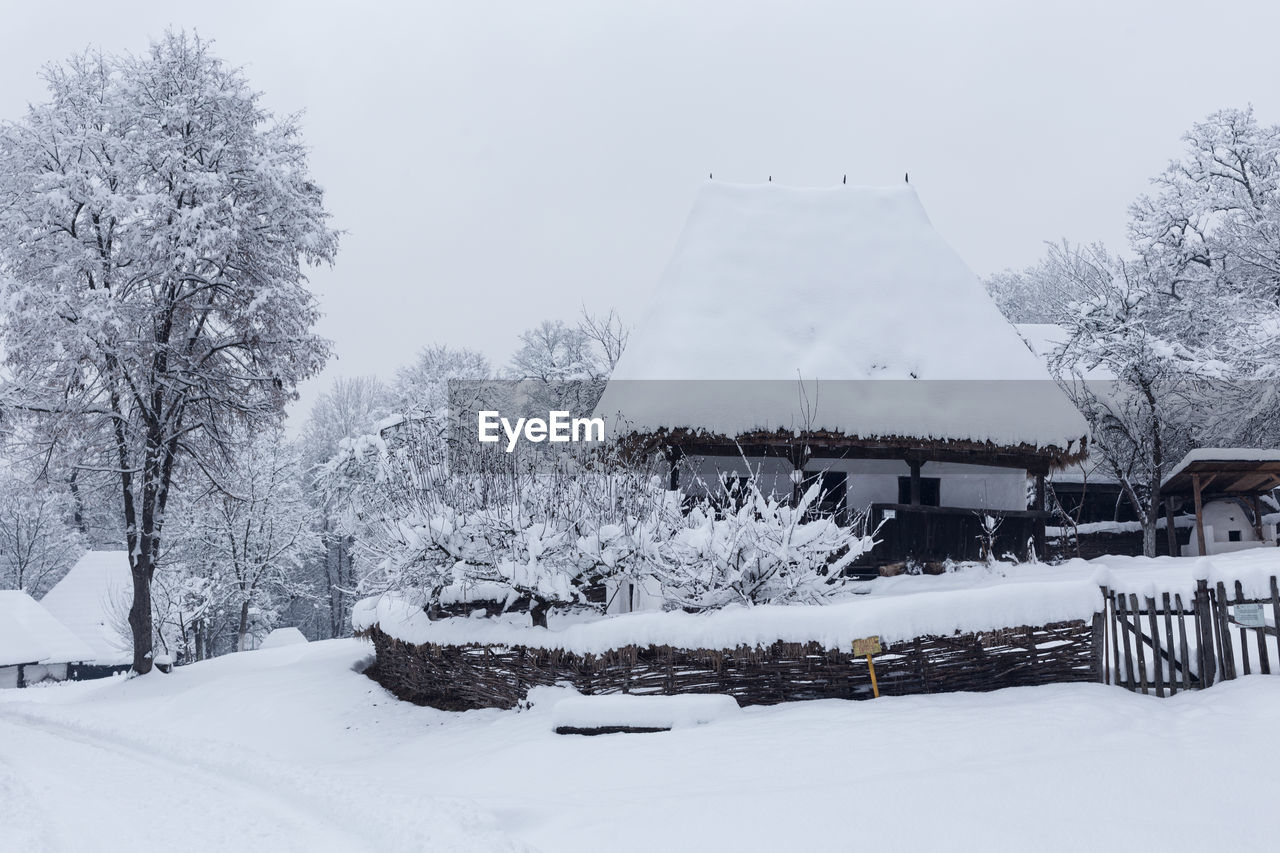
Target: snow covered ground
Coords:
[(292, 749)]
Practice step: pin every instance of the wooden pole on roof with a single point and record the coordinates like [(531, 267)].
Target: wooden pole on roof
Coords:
[(1195, 490)]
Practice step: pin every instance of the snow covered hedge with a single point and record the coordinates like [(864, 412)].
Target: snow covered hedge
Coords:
[(552, 530)]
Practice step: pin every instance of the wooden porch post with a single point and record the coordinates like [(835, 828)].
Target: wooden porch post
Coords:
[(1195, 490), (1170, 533), (915, 481), (1256, 505)]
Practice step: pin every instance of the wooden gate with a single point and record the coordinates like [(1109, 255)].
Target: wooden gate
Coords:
[(1160, 643)]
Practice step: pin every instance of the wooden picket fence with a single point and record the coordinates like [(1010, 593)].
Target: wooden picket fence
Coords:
[(1162, 643)]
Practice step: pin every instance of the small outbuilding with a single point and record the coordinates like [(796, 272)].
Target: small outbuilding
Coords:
[(93, 600), (34, 646), (1225, 487)]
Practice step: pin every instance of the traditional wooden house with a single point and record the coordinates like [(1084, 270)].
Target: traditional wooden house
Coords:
[(34, 646), (93, 601), (832, 333)]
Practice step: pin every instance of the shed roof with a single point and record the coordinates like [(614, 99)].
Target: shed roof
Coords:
[(1225, 470)]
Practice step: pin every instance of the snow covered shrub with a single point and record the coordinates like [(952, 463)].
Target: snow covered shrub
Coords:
[(536, 530), (763, 550)]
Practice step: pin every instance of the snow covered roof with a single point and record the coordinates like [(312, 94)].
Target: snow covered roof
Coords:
[(93, 601), (777, 285), (1238, 470), (30, 634), (283, 637)]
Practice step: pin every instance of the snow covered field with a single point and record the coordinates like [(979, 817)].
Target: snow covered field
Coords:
[(292, 749)]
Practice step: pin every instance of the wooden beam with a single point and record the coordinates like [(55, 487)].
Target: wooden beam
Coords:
[(1170, 532), (1195, 490), (915, 482), (1256, 506)]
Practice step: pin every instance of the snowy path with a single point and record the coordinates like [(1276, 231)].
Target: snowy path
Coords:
[(292, 749), (69, 786)]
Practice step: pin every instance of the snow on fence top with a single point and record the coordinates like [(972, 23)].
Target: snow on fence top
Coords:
[(773, 284), (835, 626), (30, 634)]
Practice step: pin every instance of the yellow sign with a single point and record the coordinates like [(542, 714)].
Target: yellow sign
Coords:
[(867, 646)]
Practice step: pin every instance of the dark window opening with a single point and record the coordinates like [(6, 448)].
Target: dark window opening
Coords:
[(1234, 535), (833, 488), (930, 491)]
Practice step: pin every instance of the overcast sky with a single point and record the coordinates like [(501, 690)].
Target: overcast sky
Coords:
[(498, 163)]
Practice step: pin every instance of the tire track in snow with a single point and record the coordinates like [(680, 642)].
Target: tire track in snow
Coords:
[(179, 804), (403, 822)]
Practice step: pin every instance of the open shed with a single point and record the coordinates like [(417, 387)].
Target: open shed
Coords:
[(1225, 487)]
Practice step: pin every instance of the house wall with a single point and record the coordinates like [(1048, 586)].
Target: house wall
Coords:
[(34, 674), (1220, 517), (870, 480)]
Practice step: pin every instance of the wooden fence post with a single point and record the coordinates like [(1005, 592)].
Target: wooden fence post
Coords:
[(1224, 634), (1170, 648), (1204, 636), (1137, 641), (1122, 617), (1182, 643), (1155, 645)]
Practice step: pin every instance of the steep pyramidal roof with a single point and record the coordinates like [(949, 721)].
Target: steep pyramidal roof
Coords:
[(783, 287), (93, 601)]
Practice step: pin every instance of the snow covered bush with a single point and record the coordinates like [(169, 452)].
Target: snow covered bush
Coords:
[(763, 550), (544, 530)]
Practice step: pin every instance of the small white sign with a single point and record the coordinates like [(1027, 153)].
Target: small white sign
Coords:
[(1249, 615)]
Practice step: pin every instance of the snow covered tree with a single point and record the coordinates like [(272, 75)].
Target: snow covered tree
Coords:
[(352, 406), (38, 540), (155, 221), (424, 385), (1122, 328), (243, 541), (563, 367)]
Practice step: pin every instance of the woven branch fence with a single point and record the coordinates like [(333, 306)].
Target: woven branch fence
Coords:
[(464, 677)]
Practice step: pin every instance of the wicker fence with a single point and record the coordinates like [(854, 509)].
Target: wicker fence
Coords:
[(462, 677)]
